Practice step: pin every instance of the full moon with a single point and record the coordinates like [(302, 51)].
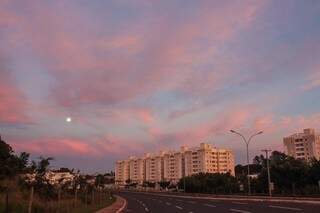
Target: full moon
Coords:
[(68, 119)]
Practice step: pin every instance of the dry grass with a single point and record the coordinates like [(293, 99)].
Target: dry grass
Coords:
[(18, 202)]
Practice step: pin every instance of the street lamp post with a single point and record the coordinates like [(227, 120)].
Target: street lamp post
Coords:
[(268, 170), (184, 174), (247, 141)]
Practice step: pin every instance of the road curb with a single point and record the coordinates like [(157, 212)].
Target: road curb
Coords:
[(124, 205), (117, 207)]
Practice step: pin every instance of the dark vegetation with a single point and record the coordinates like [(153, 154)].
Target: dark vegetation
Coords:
[(24, 187)]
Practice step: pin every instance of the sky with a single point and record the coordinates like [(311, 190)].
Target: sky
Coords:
[(139, 76)]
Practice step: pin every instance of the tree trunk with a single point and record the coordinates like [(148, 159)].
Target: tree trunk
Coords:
[(59, 199), (86, 197), (75, 198), (294, 188), (7, 200), (31, 200), (92, 196)]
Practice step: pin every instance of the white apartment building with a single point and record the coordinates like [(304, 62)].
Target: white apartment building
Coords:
[(173, 165), (208, 159), (136, 170), (304, 146), (122, 172), (153, 167)]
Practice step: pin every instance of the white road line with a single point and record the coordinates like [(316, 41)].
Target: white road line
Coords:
[(178, 207), (146, 209), (209, 205), (241, 203), (284, 207), (238, 210), (168, 203)]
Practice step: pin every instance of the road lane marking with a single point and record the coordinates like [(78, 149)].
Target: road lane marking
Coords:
[(241, 203), (284, 207), (209, 205), (178, 207), (146, 209), (238, 210), (168, 203)]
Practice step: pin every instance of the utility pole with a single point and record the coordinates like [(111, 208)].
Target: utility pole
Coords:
[(268, 170)]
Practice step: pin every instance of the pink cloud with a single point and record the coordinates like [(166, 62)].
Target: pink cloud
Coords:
[(78, 60), (313, 80), (7, 18), (146, 116), (219, 124), (93, 147), (55, 147), (13, 103)]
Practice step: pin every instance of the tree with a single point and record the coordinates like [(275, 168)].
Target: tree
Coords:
[(10, 166), (314, 172), (209, 183), (6, 160), (164, 184)]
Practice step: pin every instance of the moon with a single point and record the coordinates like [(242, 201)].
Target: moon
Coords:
[(68, 119)]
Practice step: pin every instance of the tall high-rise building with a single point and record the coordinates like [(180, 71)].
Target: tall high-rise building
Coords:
[(208, 159), (154, 165), (305, 145), (136, 170), (173, 165), (122, 172)]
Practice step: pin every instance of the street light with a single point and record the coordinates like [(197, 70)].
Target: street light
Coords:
[(247, 146), (268, 170)]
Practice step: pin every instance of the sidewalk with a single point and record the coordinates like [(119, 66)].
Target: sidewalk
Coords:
[(118, 206)]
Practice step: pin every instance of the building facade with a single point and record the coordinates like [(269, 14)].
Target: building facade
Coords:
[(136, 170), (122, 172), (208, 159), (153, 167), (173, 165), (304, 146)]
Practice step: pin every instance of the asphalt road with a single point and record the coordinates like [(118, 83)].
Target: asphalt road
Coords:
[(153, 203)]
